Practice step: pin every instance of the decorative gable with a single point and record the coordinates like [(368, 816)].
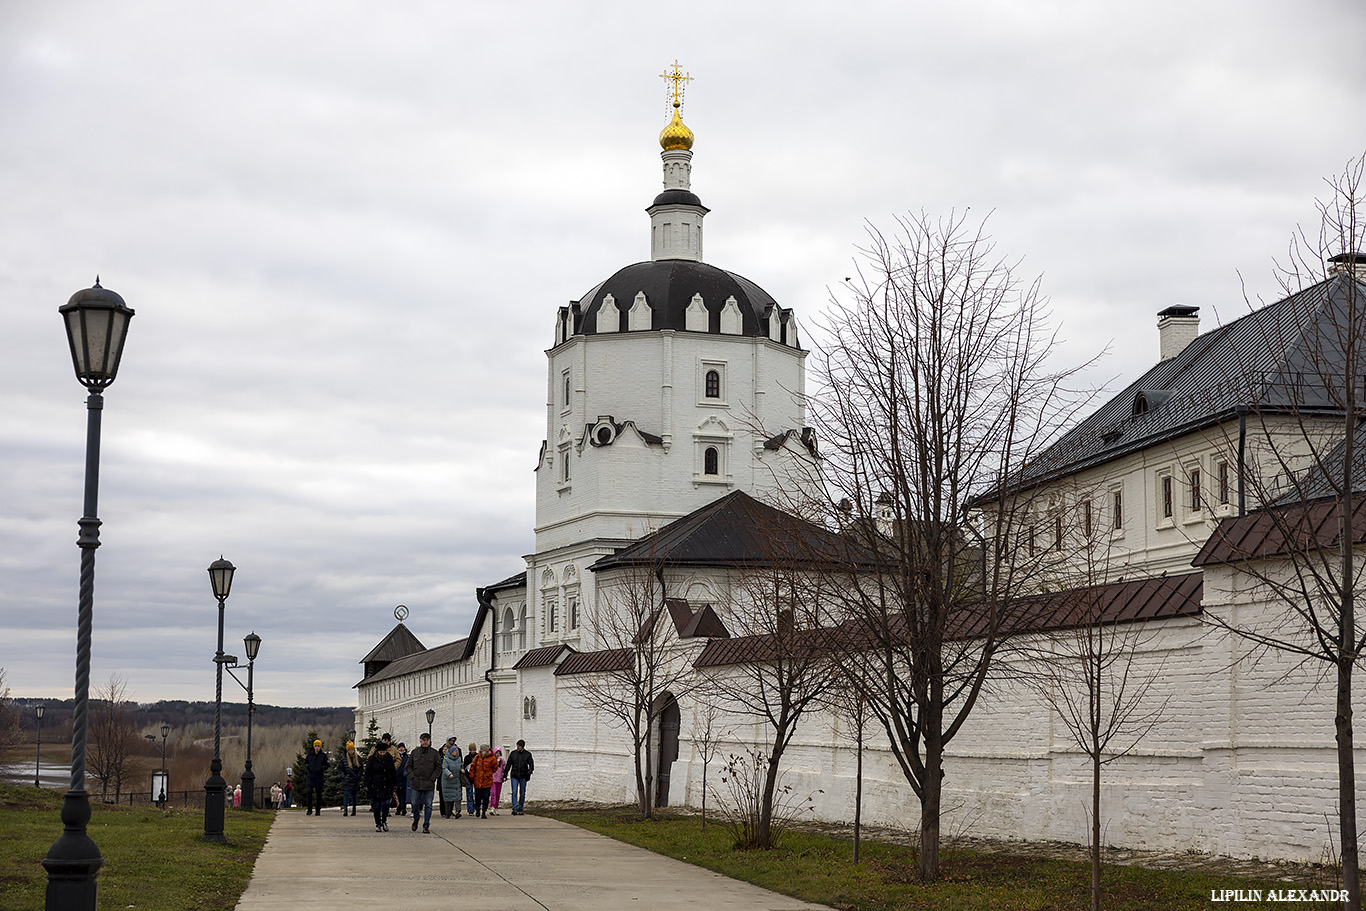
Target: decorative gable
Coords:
[(696, 318), (732, 323), (609, 317), (640, 316)]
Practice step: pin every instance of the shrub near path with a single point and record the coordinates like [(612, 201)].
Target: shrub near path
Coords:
[(817, 868), (154, 860)]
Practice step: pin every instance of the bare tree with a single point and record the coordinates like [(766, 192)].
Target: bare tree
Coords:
[(114, 738), (707, 735), (1088, 668), (933, 384), (1302, 459), (781, 670), (640, 668), (11, 731)]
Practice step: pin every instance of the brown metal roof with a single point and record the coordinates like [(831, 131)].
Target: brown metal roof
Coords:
[(762, 648), (541, 657), (614, 659), (1280, 530), (1115, 602)]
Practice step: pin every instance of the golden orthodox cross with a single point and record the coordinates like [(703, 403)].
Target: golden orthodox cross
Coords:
[(678, 83)]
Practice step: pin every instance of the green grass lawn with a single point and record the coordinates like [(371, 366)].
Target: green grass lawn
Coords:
[(154, 860), (818, 868)]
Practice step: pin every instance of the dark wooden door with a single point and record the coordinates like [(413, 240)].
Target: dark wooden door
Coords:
[(668, 750)]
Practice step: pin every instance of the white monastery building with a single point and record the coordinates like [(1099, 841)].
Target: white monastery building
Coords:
[(674, 414)]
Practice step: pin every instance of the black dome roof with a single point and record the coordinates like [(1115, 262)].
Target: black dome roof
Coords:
[(677, 198), (669, 286)]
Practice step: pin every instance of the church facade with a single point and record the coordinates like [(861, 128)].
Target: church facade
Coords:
[(674, 411)]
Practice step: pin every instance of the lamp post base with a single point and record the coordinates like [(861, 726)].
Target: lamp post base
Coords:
[(215, 790), (73, 862), (248, 788)]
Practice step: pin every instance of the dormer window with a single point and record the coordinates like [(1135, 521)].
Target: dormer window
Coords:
[(1140, 404)]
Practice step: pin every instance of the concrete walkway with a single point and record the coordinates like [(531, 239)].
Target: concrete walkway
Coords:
[(511, 863)]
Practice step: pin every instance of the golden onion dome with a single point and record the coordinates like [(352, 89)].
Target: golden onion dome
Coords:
[(676, 135)]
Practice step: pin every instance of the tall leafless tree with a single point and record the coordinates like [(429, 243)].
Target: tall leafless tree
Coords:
[(1300, 448), (11, 731), (639, 667), (1092, 671), (708, 732), (932, 382), (114, 738), (782, 668)]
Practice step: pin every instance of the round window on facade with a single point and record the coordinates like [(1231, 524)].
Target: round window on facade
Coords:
[(604, 435)]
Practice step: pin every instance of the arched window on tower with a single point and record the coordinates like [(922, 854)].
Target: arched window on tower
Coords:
[(509, 630), (711, 461), (713, 384), (521, 629)]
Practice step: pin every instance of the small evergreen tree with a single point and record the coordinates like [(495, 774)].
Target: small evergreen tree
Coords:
[(299, 773), (364, 749)]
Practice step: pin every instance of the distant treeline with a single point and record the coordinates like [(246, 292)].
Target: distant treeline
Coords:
[(181, 714)]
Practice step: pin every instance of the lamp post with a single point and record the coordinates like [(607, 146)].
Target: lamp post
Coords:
[(96, 328), (431, 716), (161, 798), (252, 642), (38, 762), (220, 577)]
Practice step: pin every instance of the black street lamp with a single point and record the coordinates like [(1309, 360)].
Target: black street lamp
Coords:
[(215, 788), (96, 328), (431, 716), (253, 646), (38, 762), (165, 730)]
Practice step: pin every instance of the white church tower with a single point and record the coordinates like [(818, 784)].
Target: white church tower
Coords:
[(669, 385)]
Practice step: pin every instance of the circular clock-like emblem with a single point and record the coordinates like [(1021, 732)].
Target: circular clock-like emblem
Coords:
[(401, 613)]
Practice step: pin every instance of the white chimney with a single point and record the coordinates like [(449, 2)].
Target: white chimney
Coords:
[(1177, 327)]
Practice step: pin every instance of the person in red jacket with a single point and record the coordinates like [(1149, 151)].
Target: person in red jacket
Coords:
[(481, 771)]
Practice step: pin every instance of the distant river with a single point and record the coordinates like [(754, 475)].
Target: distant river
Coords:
[(51, 776)]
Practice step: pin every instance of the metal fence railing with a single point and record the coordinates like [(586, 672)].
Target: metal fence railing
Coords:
[(193, 798)]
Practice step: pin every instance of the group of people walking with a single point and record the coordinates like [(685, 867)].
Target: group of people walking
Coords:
[(477, 776), (395, 777)]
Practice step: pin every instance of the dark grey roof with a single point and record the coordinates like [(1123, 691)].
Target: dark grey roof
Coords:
[(738, 530), (399, 643), (421, 661), (669, 286), (1261, 360), (1324, 477), (677, 198), (615, 659)]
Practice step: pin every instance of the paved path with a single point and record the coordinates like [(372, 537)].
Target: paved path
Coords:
[(511, 863)]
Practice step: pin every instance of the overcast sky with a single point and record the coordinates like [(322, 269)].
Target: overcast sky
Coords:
[(346, 227)]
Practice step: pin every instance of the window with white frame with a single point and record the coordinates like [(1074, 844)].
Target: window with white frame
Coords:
[(521, 628), (509, 629), (711, 382)]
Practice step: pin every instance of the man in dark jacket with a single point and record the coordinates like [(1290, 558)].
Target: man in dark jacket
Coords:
[(519, 769), (424, 765), (315, 763), (401, 779), (379, 781)]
